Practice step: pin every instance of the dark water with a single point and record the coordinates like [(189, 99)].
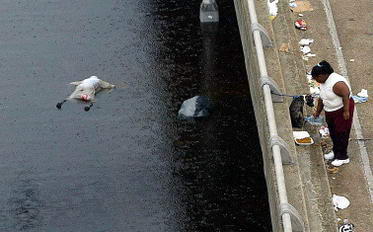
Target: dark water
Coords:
[(128, 164)]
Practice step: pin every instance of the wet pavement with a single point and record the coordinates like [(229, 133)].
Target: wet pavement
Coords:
[(128, 164)]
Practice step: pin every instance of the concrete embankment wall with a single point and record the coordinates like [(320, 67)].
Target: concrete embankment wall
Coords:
[(259, 108), (307, 188)]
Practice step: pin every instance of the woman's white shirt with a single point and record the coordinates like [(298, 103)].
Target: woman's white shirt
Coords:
[(332, 101)]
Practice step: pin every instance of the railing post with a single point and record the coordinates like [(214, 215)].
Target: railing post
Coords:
[(209, 12)]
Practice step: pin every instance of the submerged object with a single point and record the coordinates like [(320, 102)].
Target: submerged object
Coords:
[(196, 107)]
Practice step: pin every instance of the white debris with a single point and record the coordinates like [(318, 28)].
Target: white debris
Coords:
[(305, 42), (363, 93), (352, 60), (310, 55), (293, 4), (340, 202), (300, 134), (305, 49), (324, 131), (300, 15), (272, 6)]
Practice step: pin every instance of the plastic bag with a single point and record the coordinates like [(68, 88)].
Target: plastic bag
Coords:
[(314, 121)]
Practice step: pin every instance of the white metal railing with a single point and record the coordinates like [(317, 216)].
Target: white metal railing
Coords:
[(280, 179)]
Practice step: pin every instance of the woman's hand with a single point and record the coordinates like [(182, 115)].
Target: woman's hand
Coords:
[(346, 115)]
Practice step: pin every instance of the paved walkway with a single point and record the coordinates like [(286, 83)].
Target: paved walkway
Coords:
[(343, 36)]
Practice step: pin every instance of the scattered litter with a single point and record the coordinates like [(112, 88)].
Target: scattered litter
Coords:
[(340, 202), (332, 170), (273, 9), (314, 121), (305, 58), (352, 60), (196, 107), (284, 47), (305, 42), (333, 178), (346, 227), (305, 49), (86, 90), (361, 97), (300, 6), (292, 4), (324, 131), (300, 15), (338, 219), (310, 55), (324, 145), (363, 93), (300, 24), (358, 99)]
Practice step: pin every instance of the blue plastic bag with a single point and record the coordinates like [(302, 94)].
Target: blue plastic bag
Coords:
[(315, 121)]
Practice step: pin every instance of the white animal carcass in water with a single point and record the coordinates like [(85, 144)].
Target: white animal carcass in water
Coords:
[(86, 90)]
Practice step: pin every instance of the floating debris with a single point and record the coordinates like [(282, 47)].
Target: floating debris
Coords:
[(196, 107)]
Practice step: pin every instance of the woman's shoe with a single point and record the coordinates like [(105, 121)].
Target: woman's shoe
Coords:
[(338, 162)]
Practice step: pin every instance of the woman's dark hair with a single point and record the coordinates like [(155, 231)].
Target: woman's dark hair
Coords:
[(321, 68)]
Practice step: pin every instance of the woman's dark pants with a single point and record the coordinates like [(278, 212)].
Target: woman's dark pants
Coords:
[(339, 129)]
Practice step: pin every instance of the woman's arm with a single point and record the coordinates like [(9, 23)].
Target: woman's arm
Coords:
[(319, 108), (342, 90)]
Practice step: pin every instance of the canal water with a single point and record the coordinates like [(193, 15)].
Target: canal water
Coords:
[(129, 164)]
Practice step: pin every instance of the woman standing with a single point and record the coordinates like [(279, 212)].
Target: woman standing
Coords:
[(335, 99)]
